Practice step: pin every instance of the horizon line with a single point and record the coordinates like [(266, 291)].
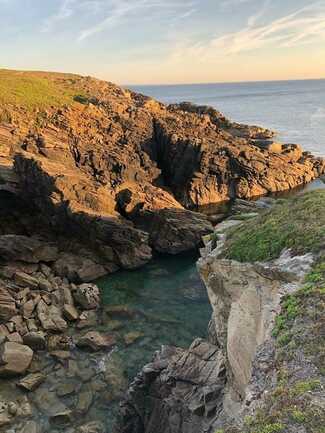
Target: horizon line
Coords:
[(202, 83), (197, 83)]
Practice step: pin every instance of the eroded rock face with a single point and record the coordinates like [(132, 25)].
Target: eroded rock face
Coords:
[(245, 298), (97, 167), (182, 390)]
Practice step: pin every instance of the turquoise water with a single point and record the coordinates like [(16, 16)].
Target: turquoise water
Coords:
[(165, 303), (296, 109)]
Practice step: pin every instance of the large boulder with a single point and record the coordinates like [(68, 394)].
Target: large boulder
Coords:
[(15, 359), (174, 231), (87, 296)]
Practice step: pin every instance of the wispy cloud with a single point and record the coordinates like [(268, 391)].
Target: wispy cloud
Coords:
[(304, 26), (65, 11), (122, 9), (109, 13)]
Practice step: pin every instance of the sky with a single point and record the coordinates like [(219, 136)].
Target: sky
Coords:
[(166, 41)]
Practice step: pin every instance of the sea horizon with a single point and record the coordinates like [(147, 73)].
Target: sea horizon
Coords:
[(295, 109)]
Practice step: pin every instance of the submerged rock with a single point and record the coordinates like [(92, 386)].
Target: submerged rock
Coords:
[(95, 341), (32, 381)]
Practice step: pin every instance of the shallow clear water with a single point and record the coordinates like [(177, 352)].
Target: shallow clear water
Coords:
[(168, 304), (295, 109), (162, 303)]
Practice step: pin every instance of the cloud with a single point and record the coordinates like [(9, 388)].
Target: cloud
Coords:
[(110, 13), (122, 9), (65, 11), (303, 26)]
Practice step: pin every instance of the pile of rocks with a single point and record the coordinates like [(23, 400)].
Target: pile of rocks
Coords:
[(43, 317)]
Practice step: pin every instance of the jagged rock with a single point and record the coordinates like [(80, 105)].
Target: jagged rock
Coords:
[(175, 230), (7, 305), (128, 155), (182, 388), (87, 296), (32, 381), (95, 341), (15, 359), (26, 249), (26, 280), (50, 317)]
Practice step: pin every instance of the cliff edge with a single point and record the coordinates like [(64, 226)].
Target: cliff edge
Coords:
[(261, 368), (118, 173)]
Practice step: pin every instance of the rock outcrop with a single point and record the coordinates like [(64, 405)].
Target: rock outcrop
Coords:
[(107, 166), (216, 384)]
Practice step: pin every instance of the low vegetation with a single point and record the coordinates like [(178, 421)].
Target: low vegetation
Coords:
[(36, 90), (297, 223)]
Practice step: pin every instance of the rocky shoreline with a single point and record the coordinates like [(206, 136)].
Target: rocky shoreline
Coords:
[(222, 384), (112, 175), (100, 184)]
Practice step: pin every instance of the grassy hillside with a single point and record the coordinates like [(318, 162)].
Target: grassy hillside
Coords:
[(37, 89), (298, 223)]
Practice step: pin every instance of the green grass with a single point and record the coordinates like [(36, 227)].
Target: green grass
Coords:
[(297, 223), (33, 90)]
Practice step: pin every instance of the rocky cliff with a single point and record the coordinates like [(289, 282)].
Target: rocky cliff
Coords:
[(116, 172), (261, 368)]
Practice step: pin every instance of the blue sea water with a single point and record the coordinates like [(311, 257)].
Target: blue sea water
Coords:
[(295, 109)]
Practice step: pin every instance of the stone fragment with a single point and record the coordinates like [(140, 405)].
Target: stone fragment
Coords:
[(7, 305), (15, 359), (32, 381), (70, 313), (25, 280), (28, 309)]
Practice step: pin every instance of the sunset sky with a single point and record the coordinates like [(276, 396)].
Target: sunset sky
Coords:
[(166, 41)]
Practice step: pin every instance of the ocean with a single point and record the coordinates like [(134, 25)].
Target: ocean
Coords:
[(295, 109)]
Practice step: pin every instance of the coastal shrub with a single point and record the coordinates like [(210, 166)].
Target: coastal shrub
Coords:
[(297, 223)]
